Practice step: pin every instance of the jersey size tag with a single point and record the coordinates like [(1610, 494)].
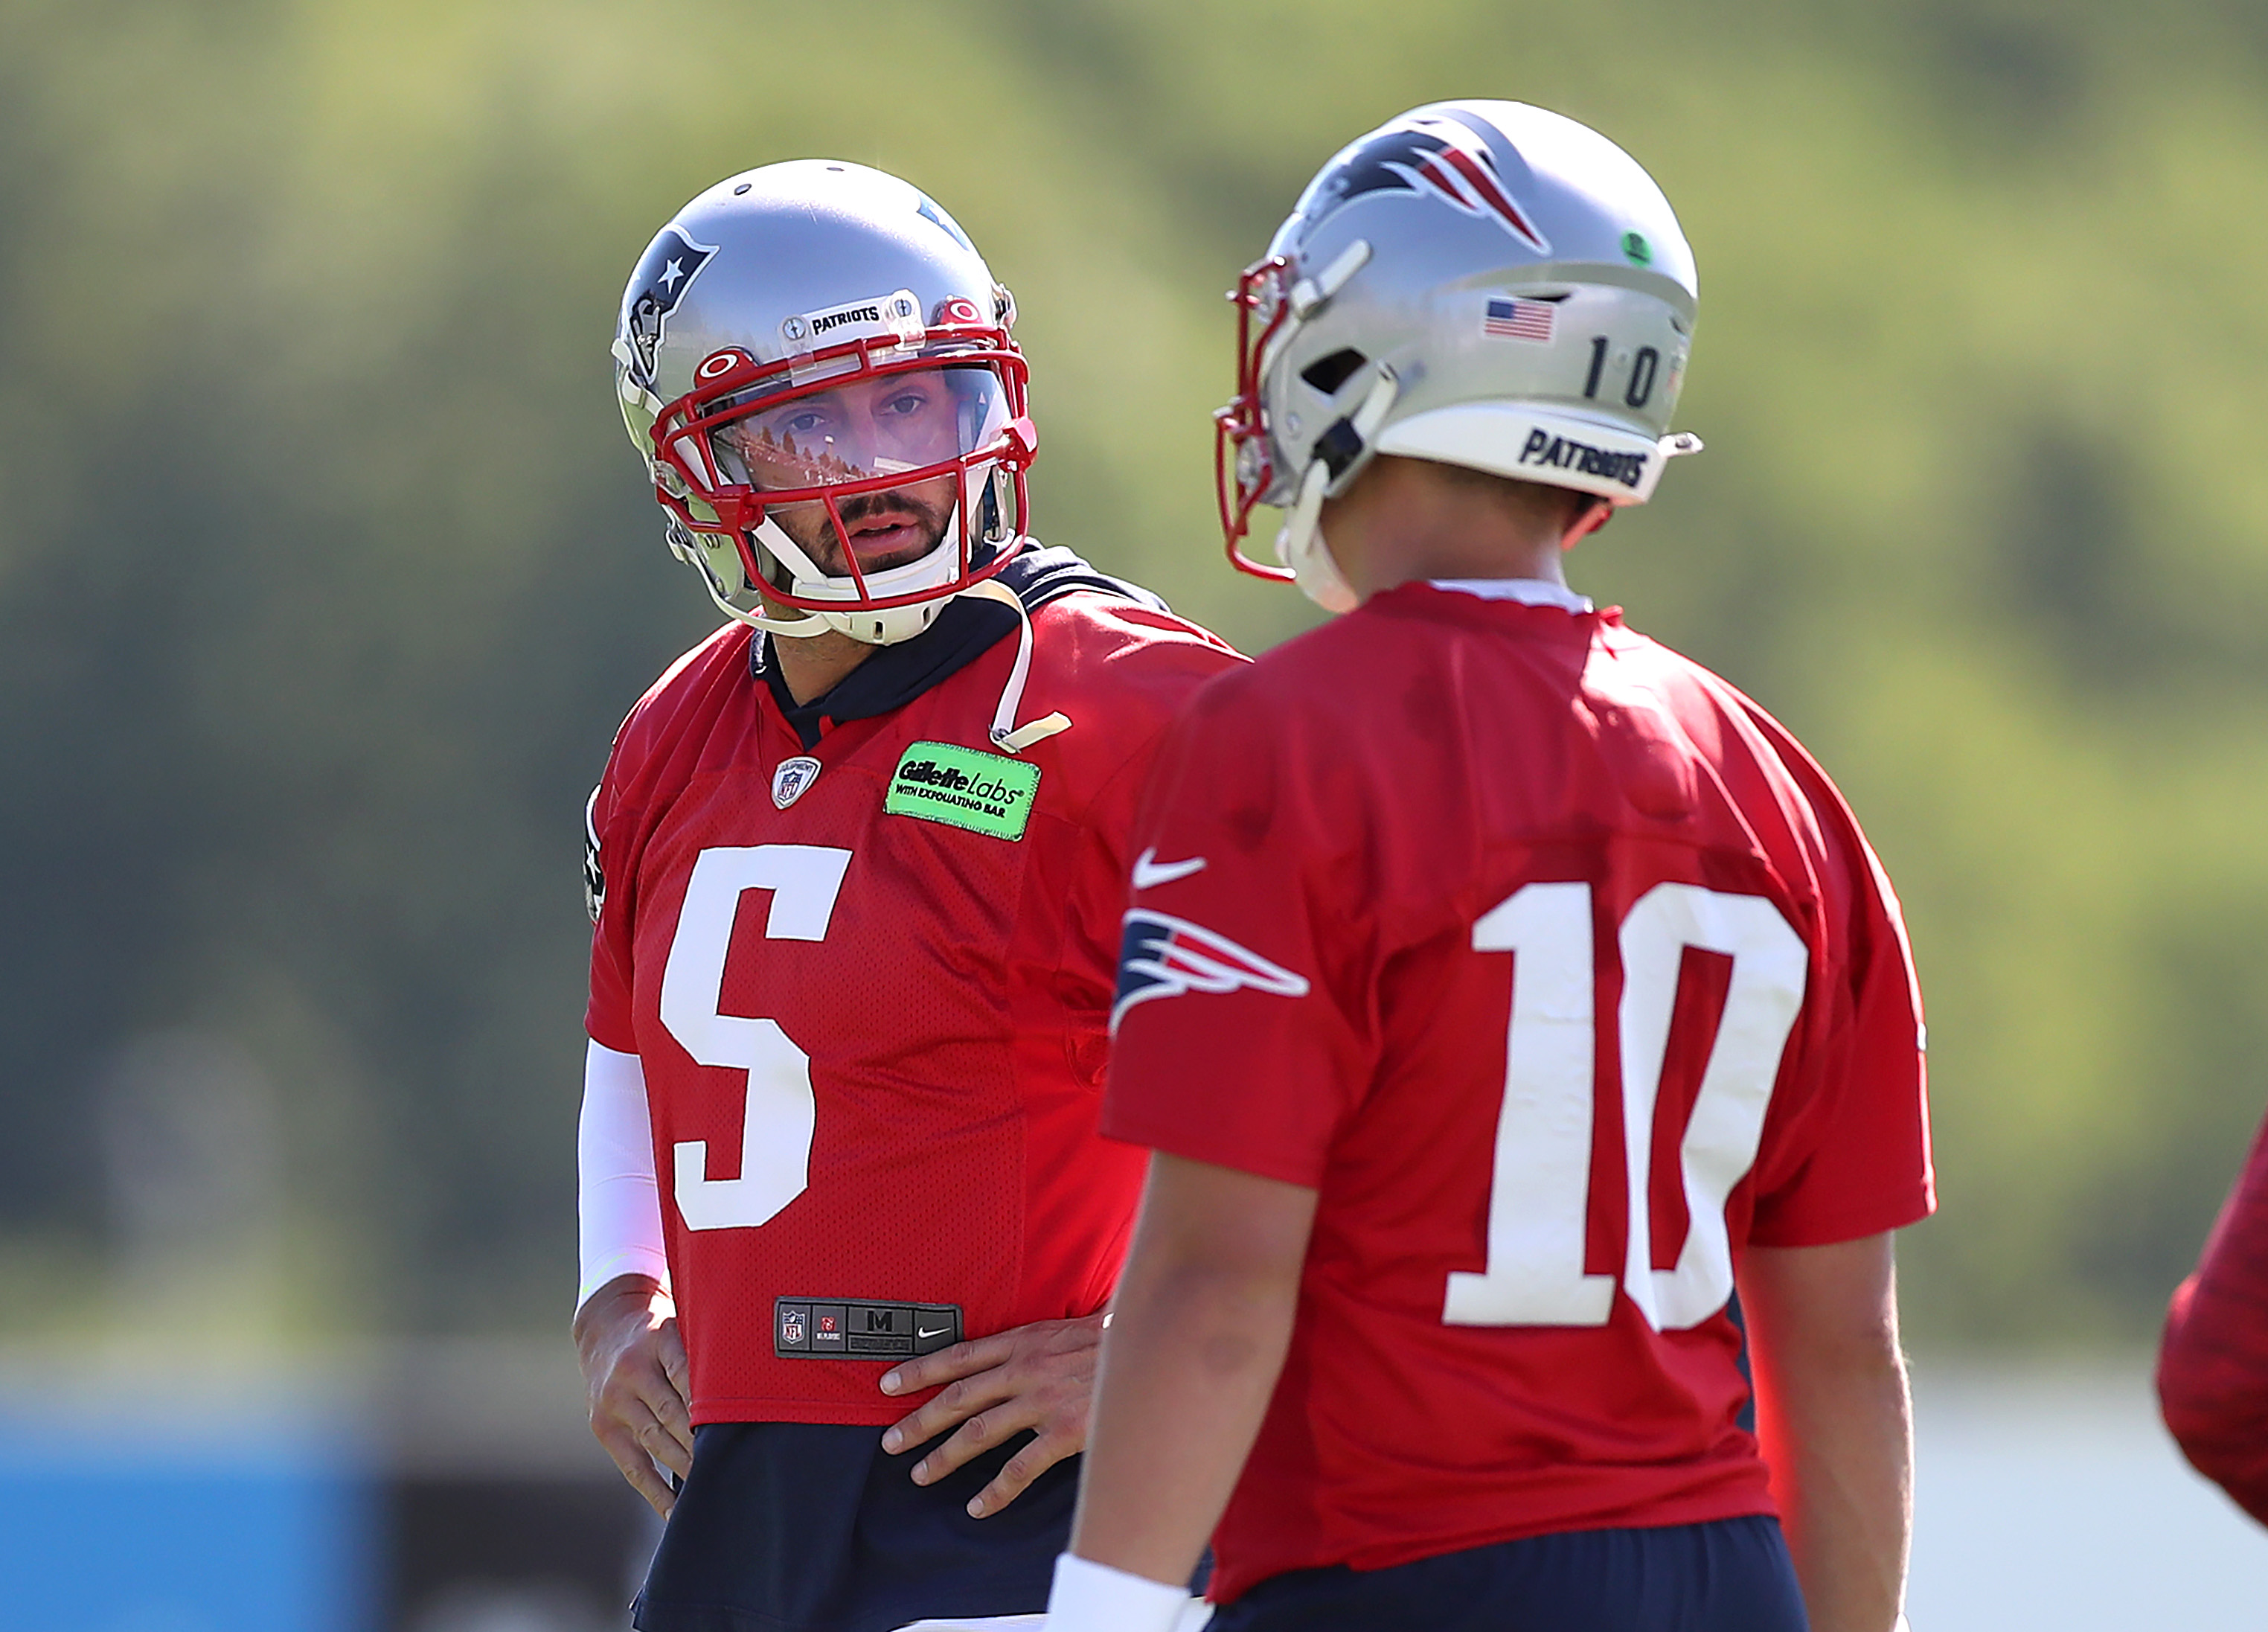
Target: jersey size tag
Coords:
[(961, 786), (857, 1328)]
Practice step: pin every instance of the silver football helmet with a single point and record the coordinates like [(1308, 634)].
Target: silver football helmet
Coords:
[(815, 364), (1484, 283)]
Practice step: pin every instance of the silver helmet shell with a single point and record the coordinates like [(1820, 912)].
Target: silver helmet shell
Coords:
[(1481, 283), (776, 291)]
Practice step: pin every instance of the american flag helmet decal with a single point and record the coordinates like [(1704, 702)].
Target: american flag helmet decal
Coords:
[(1510, 318)]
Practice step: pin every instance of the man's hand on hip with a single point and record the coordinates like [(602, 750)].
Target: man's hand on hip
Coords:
[(1040, 1376), (634, 1368)]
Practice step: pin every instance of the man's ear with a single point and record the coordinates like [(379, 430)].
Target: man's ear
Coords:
[(1586, 521)]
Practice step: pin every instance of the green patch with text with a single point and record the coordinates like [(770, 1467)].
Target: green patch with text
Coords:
[(964, 787)]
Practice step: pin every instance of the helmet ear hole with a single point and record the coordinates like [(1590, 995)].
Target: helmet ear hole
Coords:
[(1327, 375)]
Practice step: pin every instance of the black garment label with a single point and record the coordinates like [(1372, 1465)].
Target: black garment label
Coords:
[(858, 1328)]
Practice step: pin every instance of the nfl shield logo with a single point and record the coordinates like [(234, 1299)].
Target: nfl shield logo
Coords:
[(791, 1326), (793, 778)]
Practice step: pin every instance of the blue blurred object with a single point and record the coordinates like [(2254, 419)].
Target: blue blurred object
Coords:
[(184, 1536)]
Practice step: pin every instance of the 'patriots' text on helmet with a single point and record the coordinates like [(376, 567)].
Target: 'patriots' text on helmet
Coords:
[(1483, 283), (815, 364)]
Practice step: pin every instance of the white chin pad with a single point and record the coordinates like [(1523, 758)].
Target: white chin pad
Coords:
[(878, 625), (1300, 546), (888, 626), (1318, 576)]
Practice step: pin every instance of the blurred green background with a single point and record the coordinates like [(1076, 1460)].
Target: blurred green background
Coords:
[(326, 573)]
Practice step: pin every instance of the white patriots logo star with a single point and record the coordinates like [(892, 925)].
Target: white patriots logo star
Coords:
[(676, 270)]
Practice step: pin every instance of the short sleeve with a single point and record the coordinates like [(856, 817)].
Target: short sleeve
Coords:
[(1866, 1128), (605, 873), (1096, 908), (1123, 670), (1240, 1036), (2213, 1366)]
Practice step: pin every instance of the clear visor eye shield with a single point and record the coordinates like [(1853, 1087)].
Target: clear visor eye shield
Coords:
[(873, 474)]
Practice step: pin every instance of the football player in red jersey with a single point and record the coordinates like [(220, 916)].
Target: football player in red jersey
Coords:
[(856, 867), (2213, 1366), (1501, 993)]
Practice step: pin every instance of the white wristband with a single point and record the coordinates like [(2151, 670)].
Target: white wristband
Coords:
[(1089, 1597)]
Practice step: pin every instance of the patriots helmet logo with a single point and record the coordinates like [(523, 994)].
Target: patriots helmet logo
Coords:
[(1164, 956), (665, 271), (1443, 157)]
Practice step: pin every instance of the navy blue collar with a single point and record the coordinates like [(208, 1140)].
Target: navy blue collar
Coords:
[(964, 631)]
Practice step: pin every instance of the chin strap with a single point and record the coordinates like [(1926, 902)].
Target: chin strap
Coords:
[(1300, 546), (1006, 735), (809, 624), (682, 546)]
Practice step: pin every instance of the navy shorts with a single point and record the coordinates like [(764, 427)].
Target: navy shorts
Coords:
[(811, 1527), (1732, 1575)]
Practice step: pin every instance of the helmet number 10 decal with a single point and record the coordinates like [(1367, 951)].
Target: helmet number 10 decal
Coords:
[(1539, 1196), (777, 1111), (1644, 367)]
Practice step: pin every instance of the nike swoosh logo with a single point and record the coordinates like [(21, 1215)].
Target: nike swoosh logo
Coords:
[(1149, 872), (922, 1332)]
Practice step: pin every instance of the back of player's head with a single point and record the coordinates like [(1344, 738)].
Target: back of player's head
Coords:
[(1482, 283)]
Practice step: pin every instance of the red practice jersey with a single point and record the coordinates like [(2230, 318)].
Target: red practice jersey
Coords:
[(868, 982), (1562, 974), (2212, 1370)]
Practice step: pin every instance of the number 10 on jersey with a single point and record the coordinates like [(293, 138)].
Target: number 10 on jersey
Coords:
[(1539, 1196)]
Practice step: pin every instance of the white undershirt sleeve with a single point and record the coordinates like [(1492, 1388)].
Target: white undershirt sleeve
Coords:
[(618, 1202)]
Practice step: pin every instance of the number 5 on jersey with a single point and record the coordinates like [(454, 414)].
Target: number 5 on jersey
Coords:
[(1539, 1196), (777, 1112)]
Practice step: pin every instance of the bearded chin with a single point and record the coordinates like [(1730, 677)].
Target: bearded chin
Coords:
[(816, 534)]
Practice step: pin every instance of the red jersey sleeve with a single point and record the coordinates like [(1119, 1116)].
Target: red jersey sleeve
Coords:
[(1154, 664), (1866, 1162), (1096, 897), (1241, 949), (606, 878), (2212, 1367), (615, 831)]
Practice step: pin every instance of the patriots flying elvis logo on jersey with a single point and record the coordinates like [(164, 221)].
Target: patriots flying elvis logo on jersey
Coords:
[(1438, 156), (1164, 956)]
